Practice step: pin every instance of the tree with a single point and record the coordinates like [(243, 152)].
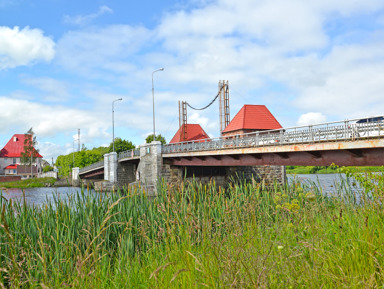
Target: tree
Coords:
[(121, 145), (47, 169), (29, 155), (159, 138)]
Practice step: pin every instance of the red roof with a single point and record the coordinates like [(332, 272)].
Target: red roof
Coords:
[(194, 132), (255, 117), (15, 147), (10, 167)]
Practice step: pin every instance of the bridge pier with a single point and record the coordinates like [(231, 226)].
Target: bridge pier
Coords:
[(110, 167), (150, 166)]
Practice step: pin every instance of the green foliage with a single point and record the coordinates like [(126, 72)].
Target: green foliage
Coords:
[(29, 183), (86, 157), (326, 169), (159, 138), (79, 159), (29, 154), (121, 145), (194, 236), (47, 169), (371, 182)]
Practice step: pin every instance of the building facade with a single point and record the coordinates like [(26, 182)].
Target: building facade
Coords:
[(10, 157)]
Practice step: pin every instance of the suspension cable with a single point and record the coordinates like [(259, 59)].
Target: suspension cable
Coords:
[(208, 104)]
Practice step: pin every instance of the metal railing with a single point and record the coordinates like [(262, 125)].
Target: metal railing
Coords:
[(99, 164), (129, 154), (353, 129)]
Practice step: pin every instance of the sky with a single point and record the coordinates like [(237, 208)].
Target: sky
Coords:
[(63, 63)]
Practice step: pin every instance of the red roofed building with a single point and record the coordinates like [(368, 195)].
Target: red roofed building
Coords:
[(10, 156), (194, 132), (251, 118)]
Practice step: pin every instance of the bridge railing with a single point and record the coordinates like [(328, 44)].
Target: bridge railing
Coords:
[(99, 164), (129, 154), (353, 129)]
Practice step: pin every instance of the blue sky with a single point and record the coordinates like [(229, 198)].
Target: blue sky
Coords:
[(63, 62)]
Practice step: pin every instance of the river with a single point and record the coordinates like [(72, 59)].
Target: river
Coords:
[(329, 184), (38, 196)]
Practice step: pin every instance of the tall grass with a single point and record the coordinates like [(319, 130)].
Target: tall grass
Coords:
[(194, 236)]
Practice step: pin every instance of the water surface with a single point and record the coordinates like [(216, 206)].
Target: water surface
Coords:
[(38, 196)]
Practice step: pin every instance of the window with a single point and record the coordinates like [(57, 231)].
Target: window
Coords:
[(14, 161), (14, 171)]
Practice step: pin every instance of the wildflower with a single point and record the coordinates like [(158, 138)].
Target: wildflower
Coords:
[(278, 207), (310, 197), (280, 247), (290, 225), (276, 199)]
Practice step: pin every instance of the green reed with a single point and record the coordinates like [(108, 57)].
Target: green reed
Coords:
[(193, 236)]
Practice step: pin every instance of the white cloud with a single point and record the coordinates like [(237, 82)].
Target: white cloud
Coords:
[(23, 47), (51, 120), (86, 19), (55, 90), (311, 118), (93, 50)]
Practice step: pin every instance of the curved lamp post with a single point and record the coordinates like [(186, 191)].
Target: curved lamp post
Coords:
[(113, 123), (153, 102)]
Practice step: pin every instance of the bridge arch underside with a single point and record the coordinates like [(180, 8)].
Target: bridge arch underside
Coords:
[(94, 174), (363, 153)]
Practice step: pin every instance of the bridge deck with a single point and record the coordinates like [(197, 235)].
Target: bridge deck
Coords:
[(358, 153)]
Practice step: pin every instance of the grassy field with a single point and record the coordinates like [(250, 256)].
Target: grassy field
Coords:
[(29, 183), (195, 236), (329, 169)]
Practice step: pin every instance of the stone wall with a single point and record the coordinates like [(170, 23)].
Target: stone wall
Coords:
[(126, 174), (223, 175), (150, 166), (266, 174)]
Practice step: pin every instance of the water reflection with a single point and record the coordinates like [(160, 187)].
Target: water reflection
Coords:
[(38, 196)]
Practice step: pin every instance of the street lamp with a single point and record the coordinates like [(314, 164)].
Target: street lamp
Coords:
[(153, 102), (113, 123), (73, 152)]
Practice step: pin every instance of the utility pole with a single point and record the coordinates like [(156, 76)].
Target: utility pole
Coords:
[(78, 137)]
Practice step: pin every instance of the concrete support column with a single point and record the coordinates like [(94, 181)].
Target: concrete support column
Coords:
[(110, 167), (75, 174), (150, 166), (75, 177), (106, 167)]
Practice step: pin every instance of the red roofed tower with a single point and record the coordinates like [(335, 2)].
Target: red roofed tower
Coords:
[(195, 132), (251, 118), (10, 155)]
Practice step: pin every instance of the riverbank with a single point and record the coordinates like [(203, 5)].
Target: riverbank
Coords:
[(329, 169), (29, 183), (194, 236)]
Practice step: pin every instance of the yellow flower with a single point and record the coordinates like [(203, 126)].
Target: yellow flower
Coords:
[(280, 247), (310, 197)]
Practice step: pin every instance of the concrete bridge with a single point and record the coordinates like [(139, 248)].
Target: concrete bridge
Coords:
[(259, 155)]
